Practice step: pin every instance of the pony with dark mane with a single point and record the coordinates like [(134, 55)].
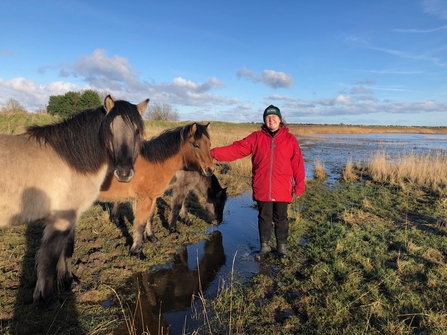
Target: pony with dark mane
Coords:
[(54, 172), (160, 158), (182, 184)]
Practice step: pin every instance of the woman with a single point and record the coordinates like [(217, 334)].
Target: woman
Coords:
[(277, 173)]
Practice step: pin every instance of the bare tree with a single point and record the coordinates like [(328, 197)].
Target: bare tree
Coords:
[(12, 105), (161, 112)]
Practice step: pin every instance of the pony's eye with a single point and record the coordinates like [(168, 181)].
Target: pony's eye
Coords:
[(196, 145)]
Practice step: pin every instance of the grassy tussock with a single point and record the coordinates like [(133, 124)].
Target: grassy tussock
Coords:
[(428, 171), (350, 172), (319, 170)]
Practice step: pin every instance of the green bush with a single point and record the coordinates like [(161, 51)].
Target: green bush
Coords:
[(72, 102)]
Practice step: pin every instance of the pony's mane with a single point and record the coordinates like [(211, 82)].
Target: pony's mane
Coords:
[(169, 142), (80, 139)]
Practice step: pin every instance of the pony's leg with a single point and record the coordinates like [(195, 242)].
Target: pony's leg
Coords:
[(115, 214), (148, 233), (174, 217), (178, 209), (142, 209), (184, 212), (54, 243), (66, 279)]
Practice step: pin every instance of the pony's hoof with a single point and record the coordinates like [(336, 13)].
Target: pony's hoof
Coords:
[(136, 251), (142, 256), (70, 285), (139, 255), (48, 304), (152, 238), (186, 221), (173, 230)]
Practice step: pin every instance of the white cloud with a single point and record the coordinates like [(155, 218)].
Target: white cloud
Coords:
[(104, 72), (344, 105), (360, 90), (31, 94), (270, 78), (244, 72), (116, 76), (277, 79)]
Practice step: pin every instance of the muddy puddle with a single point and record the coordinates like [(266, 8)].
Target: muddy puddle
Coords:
[(168, 292)]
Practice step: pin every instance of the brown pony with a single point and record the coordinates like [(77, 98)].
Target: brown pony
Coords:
[(160, 158), (54, 172)]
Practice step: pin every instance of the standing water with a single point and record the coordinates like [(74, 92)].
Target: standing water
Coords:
[(167, 292)]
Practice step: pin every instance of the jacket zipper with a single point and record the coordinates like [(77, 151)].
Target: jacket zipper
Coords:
[(271, 168)]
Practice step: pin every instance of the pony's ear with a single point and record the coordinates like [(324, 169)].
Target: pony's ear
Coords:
[(193, 129), (108, 103), (208, 126), (142, 106)]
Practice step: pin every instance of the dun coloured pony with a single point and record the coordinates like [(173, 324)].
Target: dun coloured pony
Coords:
[(160, 158), (182, 184), (54, 172)]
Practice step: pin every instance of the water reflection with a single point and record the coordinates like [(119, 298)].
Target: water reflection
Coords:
[(171, 289)]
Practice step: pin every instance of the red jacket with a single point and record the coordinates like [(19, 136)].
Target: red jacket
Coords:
[(277, 163)]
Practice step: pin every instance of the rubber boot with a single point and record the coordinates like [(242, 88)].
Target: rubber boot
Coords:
[(281, 250), (265, 250)]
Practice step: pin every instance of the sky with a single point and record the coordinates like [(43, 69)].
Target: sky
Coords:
[(381, 62)]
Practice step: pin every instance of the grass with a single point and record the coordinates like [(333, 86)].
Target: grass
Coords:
[(366, 255), (375, 263)]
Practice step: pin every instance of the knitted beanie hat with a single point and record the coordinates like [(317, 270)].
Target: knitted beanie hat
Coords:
[(272, 110)]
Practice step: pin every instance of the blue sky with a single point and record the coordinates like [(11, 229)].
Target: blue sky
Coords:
[(381, 62)]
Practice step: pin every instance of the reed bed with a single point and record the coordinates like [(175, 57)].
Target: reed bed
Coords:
[(428, 171)]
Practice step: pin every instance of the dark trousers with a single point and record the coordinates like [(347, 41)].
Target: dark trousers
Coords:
[(275, 212)]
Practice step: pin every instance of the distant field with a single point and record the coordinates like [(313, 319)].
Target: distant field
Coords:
[(14, 123)]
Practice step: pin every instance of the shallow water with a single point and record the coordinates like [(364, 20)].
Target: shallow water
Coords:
[(335, 150), (167, 290)]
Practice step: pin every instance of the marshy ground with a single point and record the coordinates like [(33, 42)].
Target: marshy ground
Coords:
[(366, 257)]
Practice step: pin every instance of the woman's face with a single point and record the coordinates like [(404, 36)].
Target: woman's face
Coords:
[(272, 122)]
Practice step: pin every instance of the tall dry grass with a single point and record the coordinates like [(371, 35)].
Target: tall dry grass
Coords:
[(424, 170), (350, 172), (235, 175), (319, 170)]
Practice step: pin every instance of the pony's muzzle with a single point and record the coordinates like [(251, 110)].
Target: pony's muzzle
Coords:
[(124, 175)]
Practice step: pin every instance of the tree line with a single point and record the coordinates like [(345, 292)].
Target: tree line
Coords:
[(73, 102)]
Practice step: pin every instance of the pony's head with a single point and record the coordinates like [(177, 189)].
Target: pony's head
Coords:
[(122, 133), (215, 201), (197, 144)]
